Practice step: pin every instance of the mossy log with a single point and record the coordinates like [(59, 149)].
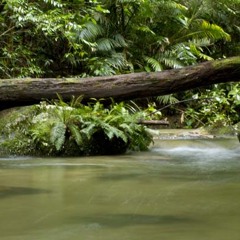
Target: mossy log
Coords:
[(15, 92)]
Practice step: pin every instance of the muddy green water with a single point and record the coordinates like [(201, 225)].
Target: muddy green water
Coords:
[(180, 190)]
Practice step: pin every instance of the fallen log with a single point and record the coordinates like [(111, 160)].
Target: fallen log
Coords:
[(27, 91), (154, 122)]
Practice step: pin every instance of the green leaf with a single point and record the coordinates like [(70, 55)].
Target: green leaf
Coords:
[(57, 137), (156, 66), (76, 134)]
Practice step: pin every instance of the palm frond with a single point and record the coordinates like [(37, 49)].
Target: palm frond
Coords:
[(105, 44), (213, 31), (178, 56), (145, 29), (120, 40), (90, 32)]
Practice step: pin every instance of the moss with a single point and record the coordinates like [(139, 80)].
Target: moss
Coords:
[(225, 62), (224, 130), (13, 123), (85, 130)]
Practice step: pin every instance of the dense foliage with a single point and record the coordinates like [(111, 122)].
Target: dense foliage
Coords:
[(220, 107), (59, 38), (55, 38), (72, 129)]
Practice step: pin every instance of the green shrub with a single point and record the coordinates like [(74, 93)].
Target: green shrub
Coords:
[(58, 128)]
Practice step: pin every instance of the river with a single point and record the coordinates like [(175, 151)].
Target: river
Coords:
[(179, 190)]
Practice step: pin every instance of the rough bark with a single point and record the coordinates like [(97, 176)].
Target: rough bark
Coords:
[(120, 87)]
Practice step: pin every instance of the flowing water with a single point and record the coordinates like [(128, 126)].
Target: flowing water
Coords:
[(180, 190)]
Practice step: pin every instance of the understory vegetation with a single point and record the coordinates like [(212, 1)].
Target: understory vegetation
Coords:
[(59, 128), (58, 38)]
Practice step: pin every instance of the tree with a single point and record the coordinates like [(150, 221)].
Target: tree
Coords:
[(46, 38)]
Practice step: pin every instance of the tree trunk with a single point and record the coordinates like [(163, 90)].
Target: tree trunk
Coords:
[(120, 87)]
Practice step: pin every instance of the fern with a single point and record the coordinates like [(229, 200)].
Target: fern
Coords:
[(111, 119), (57, 136), (169, 59), (133, 107), (76, 134), (127, 128), (84, 129), (90, 128), (156, 66), (112, 131), (76, 102), (40, 133), (167, 99)]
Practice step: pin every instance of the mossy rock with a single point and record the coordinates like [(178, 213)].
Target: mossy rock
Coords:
[(17, 143), (221, 131), (16, 138), (14, 114), (12, 141)]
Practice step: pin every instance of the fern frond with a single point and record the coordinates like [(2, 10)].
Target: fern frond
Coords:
[(97, 107), (167, 99), (178, 56), (118, 60), (111, 119), (90, 128), (198, 52), (170, 61), (111, 131), (57, 136), (60, 101), (200, 42), (76, 134), (127, 128), (155, 64), (133, 107)]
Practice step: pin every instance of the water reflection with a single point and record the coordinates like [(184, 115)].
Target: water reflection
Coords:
[(10, 191), (122, 220)]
